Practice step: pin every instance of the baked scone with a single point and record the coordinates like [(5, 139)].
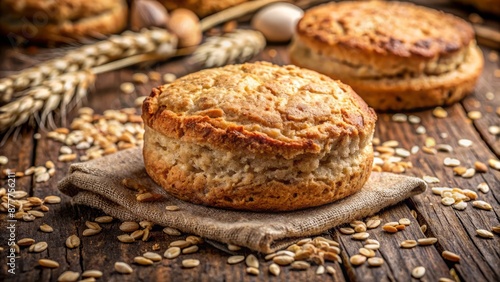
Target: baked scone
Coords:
[(62, 20), (395, 55), (201, 7), (258, 137)]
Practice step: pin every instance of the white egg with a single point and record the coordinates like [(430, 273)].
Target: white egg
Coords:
[(277, 21)]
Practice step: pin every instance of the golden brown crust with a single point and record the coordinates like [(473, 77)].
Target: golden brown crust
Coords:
[(385, 35), (397, 94), (240, 107), (201, 7), (258, 137), (105, 23), (56, 11), (396, 56)]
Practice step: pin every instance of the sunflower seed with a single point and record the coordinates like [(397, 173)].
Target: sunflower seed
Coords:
[(72, 242), (285, 253), (427, 241), (90, 232), (444, 148), (283, 260), (357, 259), (171, 231), (92, 273), (367, 252), (39, 247), (252, 270), (172, 208), (252, 261), (190, 263), (347, 230), (233, 248), (430, 179), (451, 162), (274, 269), (152, 256), (495, 164), (465, 143), (439, 112), (129, 226), (142, 260), (483, 187), (389, 229), (375, 261), (137, 234), (447, 201), (46, 228), (320, 270), (180, 243), (300, 265), (408, 244), (460, 206), (68, 276), (103, 219), (372, 247), (484, 233), (195, 240), (418, 272), (172, 252), (190, 250), (373, 223), (360, 236), (125, 238), (450, 256), (482, 205), (48, 263), (360, 228), (123, 268), (235, 259), (26, 242)]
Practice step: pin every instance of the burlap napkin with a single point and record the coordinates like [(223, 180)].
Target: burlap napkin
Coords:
[(97, 184)]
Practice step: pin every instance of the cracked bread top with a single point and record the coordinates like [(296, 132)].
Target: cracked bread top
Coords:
[(386, 34), (260, 107)]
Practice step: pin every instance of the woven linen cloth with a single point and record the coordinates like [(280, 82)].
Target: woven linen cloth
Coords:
[(97, 184)]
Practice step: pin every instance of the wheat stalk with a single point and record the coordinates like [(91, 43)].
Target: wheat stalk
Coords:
[(233, 47), (40, 102), (148, 41)]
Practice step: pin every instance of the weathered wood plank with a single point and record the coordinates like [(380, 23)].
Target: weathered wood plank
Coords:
[(479, 102), (454, 229), (399, 262)]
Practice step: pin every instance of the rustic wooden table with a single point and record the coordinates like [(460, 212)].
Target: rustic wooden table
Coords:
[(455, 230)]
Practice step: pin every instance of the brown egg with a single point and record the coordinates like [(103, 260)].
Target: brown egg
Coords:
[(186, 25), (147, 13)]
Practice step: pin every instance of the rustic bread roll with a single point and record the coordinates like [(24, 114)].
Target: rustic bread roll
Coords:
[(396, 56), (201, 7), (63, 20), (258, 137)]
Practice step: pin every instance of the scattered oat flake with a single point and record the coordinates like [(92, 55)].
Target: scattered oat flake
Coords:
[(465, 143), (439, 112), (430, 179)]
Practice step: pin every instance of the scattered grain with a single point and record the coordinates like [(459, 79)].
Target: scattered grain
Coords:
[(274, 269), (465, 143), (375, 261), (482, 205), (92, 273), (172, 252), (252, 261), (427, 241), (408, 244), (46, 228), (430, 179), (48, 263), (283, 260), (484, 233), (103, 219), (142, 260), (190, 249), (450, 256), (360, 236), (357, 259), (347, 230), (123, 268), (300, 265), (418, 272), (127, 87), (439, 112), (68, 276), (252, 270), (495, 164), (235, 259), (125, 238)]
